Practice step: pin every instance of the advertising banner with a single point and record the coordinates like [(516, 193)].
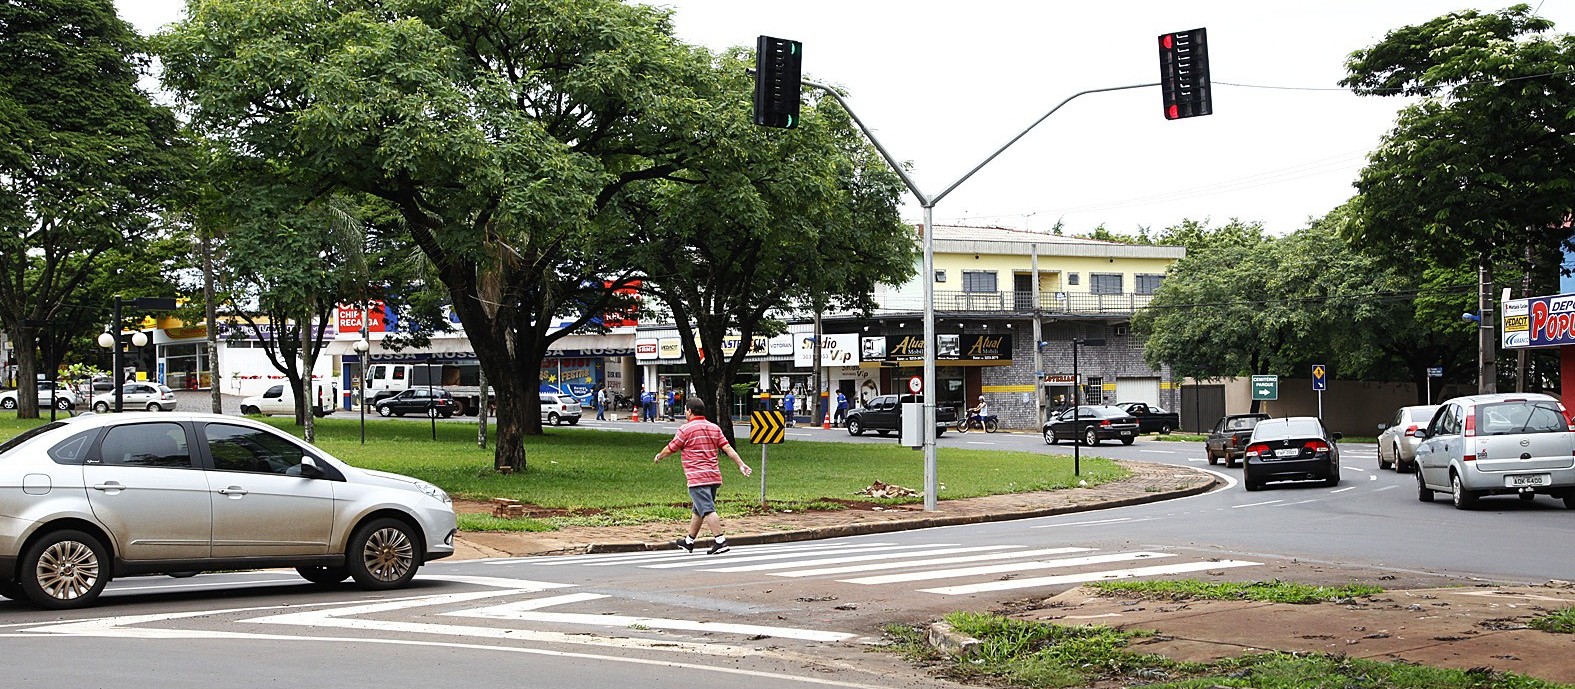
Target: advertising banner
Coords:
[(1538, 322), (951, 347), (645, 349)]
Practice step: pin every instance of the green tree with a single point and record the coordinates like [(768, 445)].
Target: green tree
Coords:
[(773, 221), (85, 160), (1484, 164), (499, 132)]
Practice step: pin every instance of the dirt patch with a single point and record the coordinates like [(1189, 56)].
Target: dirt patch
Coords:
[(531, 511), (1462, 628)]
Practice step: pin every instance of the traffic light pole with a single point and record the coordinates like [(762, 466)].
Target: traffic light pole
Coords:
[(931, 481)]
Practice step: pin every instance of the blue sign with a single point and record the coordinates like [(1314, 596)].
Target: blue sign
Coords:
[(1320, 378), (1435, 372)]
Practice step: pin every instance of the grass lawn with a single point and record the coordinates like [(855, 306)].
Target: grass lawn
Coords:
[(608, 477)]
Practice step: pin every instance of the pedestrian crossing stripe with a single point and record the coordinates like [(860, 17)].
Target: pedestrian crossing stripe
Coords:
[(766, 427)]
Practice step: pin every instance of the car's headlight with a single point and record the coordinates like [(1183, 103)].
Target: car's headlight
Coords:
[(434, 491)]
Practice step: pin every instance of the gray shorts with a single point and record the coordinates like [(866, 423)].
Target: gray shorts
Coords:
[(704, 498)]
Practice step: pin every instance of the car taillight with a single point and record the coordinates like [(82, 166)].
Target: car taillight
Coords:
[(1257, 450), (1105, 422), (1471, 423), (1316, 446), (1410, 431)]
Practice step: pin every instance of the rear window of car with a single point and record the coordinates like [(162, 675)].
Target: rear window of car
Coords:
[(565, 399), (1517, 417), (1287, 428), (1242, 424)]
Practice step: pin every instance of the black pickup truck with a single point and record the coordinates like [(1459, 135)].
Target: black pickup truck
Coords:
[(1228, 439), (1151, 419), (883, 415)]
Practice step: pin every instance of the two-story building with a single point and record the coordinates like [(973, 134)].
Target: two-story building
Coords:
[(993, 287)]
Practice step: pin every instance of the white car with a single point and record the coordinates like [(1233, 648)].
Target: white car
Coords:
[(558, 409), (1519, 443), (47, 395), (138, 396), (280, 399), (118, 495)]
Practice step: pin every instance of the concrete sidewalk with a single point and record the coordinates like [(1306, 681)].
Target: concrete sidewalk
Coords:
[(1149, 482)]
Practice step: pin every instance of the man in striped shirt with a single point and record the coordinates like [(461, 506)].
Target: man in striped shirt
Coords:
[(699, 441)]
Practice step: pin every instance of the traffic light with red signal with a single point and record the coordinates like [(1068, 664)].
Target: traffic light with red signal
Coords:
[(1184, 74)]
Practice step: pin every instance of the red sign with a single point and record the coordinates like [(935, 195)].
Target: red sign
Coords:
[(349, 318), (628, 318)]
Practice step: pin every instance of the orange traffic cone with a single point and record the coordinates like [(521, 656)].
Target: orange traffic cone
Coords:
[(825, 424), (635, 415)]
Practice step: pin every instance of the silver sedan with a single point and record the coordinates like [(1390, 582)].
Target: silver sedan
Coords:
[(103, 496), (1397, 442)]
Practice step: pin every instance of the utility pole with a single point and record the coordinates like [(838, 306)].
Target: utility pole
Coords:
[(1487, 345), (1039, 364)]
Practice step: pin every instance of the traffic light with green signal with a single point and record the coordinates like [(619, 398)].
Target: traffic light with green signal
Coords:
[(778, 71)]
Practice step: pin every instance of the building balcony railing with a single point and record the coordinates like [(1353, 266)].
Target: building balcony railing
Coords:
[(1022, 303)]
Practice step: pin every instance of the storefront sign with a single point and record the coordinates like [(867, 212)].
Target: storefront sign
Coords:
[(837, 350), (780, 345), (669, 348), (1539, 321), (645, 349), (348, 318), (951, 347)]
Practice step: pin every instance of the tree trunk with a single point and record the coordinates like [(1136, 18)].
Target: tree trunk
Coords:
[(481, 412), (26, 352), (215, 393), (514, 411), (305, 401), (1487, 345)]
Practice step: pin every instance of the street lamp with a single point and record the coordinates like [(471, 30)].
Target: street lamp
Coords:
[(1077, 389), (361, 347), (114, 343)]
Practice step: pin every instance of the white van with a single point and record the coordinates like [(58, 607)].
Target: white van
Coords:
[(280, 399)]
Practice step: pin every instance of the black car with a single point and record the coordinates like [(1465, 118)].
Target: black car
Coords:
[(1297, 448), (1229, 436), (1091, 425), (1152, 419), (883, 414), (431, 402)]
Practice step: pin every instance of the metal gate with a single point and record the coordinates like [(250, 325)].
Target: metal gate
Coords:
[(1201, 407)]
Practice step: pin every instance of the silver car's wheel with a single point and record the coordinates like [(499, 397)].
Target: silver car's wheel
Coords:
[(154, 406), (854, 427), (552, 418), (384, 411), (1423, 493), (1463, 498), (1050, 438), (10, 589), (101, 407), (1383, 464), (383, 554), (64, 569), (1090, 437), (8, 403), (63, 404)]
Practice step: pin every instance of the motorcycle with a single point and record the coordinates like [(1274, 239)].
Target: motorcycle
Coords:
[(968, 421)]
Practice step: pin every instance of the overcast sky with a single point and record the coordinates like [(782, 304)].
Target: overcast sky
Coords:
[(945, 83)]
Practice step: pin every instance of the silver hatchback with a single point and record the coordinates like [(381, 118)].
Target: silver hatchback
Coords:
[(1397, 440), (97, 497), (1478, 445)]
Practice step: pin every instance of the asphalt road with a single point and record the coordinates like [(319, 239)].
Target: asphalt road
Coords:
[(789, 615)]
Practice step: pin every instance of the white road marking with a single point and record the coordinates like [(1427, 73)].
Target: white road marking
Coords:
[(703, 562), (1160, 452), (1096, 521), (1347, 468), (1341, 490), (1196, 459), (1088, 576), (1255, 504), (1302, 502), (528, 611), (1384, 488), (859, 558), (999, 569), (932, 561), (605, 559), (1372, 478), (977, 442)]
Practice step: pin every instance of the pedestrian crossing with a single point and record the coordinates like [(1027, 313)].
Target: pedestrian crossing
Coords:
[(937, 568)]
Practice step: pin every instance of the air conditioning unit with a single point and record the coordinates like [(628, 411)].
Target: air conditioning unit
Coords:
[(1119, 330)]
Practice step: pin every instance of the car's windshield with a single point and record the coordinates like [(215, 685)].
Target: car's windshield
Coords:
[(1520, 416)]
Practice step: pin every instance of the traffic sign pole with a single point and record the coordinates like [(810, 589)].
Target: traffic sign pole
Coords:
[(1320, 381)]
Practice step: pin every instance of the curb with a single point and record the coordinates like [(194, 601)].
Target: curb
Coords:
[(912, 524)]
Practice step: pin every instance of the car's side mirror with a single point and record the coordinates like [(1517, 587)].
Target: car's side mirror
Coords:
[(1338, 435), (309, 468), (1383, 427), (1420, 433)]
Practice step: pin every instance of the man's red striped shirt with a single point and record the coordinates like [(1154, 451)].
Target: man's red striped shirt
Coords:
[(699, 441)]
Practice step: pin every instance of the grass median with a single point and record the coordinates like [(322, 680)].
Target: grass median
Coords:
[(595, 478)]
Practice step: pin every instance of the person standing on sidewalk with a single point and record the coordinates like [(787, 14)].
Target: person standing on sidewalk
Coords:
[(787, 408), (700, 441), (842, 409)]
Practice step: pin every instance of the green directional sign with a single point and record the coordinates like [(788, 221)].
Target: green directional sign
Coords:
[(1265, 388)]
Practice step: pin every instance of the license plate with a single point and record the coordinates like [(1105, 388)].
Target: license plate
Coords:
[(1287, 452), (1527, 480), (1126, 432)]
